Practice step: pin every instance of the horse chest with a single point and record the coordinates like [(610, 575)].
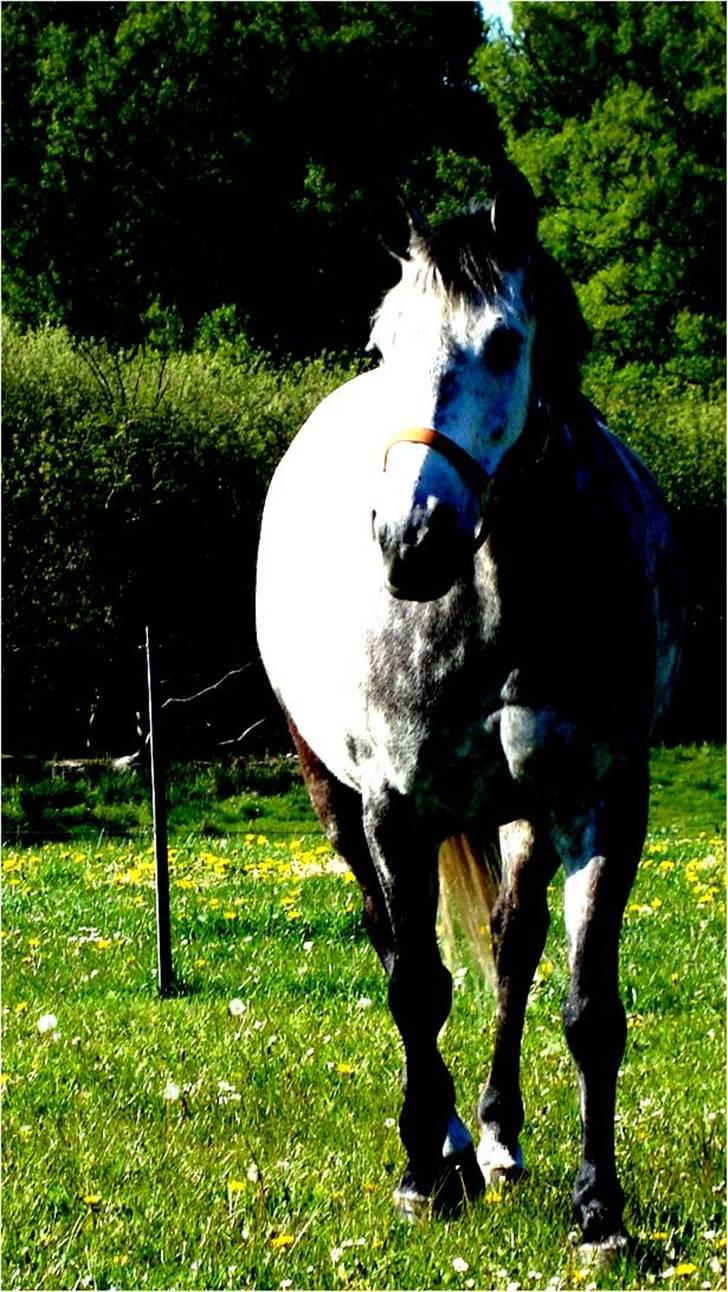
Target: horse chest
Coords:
[(431, 702)]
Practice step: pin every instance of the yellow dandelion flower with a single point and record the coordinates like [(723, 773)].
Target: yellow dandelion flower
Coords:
[(656, 903), (685, 1268), (92, 1199), (230, 915), (345, 1069), (282, 1240), (236, 1186)]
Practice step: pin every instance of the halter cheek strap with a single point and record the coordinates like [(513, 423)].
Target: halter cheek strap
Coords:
[(475, 476)]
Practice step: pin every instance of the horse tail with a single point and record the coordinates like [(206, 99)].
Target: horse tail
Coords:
[(470, 877)]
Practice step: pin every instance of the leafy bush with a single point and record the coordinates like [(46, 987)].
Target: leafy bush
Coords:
[(675, 428), (133, 489)]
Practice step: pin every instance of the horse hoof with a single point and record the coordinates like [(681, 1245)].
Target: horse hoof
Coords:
[(495, 1176), (600, 1257), (497, 1163), (410, 1204), (459, 1184)]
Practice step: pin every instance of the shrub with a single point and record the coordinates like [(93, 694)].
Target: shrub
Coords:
[(133, 489)]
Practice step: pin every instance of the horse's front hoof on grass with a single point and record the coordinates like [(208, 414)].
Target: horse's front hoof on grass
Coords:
[(497, 1163), (599, 1257), (459, 1181), (409, 1201)]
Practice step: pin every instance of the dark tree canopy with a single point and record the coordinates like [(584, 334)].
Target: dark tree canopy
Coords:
[(200, 154), (616, 112)]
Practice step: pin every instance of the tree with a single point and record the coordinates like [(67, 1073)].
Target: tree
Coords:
[(195, 155), (616, 114)]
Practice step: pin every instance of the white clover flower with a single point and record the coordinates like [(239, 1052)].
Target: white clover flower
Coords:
[(459, 1265), (171, 1092), (226, 1093), (47, 1023), (364, 1002), (237, 1007)]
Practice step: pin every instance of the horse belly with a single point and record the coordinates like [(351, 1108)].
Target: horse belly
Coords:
[(318, 576)]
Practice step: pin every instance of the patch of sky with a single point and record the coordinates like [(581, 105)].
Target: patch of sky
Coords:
[(498, 11)]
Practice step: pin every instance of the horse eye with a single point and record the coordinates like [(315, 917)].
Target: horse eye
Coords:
[(502, 349)]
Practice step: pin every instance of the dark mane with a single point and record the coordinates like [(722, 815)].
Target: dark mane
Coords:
[(461, 250), (464, 251)]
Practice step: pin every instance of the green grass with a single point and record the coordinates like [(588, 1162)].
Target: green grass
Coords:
[(275, 1163), (57, 801)]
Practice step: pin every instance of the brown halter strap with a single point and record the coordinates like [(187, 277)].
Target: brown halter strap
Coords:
[(475, 476)]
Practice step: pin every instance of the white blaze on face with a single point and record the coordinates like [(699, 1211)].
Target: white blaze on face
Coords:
[(462, 368)]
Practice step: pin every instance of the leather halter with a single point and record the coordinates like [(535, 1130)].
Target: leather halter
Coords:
[(475, 476)]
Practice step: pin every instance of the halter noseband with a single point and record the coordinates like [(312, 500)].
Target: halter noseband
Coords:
[(475, 476)]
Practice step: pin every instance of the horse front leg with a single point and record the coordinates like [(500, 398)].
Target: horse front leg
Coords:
[(519, 924), (442, 1170), (599, 876)]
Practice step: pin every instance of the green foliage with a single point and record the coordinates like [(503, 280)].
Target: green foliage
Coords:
[(81, 800), (616, 114), (173, 1143), (133, 487), (677, 429), (196, 153)]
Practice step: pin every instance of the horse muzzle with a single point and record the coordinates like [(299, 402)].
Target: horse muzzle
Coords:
[(424, 556), (425, 553)]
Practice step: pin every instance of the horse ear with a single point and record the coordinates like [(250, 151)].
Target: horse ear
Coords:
[(416, 225), (513, 213)]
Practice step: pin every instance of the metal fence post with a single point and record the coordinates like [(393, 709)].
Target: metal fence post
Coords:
[(159, 819)]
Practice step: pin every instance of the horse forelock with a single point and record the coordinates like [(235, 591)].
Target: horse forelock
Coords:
[(460, 254), (457, 266)]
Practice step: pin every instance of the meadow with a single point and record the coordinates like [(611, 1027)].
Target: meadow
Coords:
[(242, 1133)]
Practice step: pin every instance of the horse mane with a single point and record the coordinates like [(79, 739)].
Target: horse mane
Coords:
[(462, 254)]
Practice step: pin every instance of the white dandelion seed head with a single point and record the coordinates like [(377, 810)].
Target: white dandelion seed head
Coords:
[(47, 1023), (237, 1007), (171, 1092), (459, 1265)]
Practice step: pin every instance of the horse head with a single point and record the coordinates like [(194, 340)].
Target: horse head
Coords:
[(456, 338)]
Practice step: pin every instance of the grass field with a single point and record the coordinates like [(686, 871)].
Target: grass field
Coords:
[(243, 1133)]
